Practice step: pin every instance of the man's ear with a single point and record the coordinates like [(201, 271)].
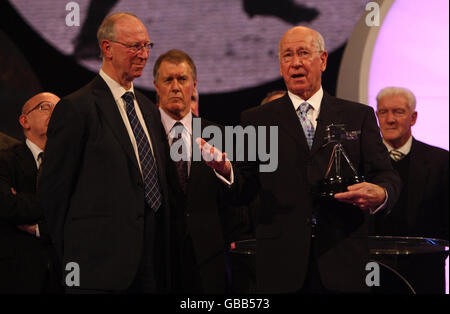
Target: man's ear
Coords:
[(323, 58), (23, 120), (106, 49), (414, 118)]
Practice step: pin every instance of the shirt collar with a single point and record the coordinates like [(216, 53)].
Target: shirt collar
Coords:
[(116, 89), (405, 149), (168, 122), (315, 100), (35, 150)]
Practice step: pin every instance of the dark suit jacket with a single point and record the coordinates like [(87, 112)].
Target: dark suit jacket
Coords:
[(7, 141), (23, 257), (283, 229), (207, 226), (92, 190), (426, 212)]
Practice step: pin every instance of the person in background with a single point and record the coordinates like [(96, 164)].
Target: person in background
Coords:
[(422, 208), (195, 98), (203, 230), (28, 261), (272, 96)]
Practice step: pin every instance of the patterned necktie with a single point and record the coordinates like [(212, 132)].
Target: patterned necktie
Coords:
[(307, 125), (148, 164), (396, 155), (181, 164)]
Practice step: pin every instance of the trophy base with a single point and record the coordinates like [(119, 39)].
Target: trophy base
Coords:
[(330, 186)]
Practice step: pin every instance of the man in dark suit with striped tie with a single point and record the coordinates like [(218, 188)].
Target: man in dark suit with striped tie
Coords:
[(104, 178), (203, 230)]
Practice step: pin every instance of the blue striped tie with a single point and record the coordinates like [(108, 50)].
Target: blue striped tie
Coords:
[(148, 164), (307, 125)]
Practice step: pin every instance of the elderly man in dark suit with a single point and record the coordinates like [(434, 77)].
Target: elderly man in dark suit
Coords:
[(27, 260), (305, 243), (422, 209), (104, 179)]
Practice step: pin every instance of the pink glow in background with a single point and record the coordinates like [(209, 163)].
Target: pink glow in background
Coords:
[(412, 50)]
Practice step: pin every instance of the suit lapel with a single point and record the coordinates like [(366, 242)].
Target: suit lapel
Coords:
[(26, 161), (107, 104)]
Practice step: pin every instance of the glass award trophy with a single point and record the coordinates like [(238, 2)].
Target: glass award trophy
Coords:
[(334, 181)]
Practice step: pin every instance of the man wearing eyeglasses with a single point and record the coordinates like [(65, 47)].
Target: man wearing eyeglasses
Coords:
[(104, 178), (306, 244), (26, 263)]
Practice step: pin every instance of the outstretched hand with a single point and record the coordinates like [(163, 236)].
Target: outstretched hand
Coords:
[(364, 195), (214, 158)]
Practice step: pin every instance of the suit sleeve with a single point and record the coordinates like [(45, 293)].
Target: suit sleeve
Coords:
[(377, 166), (62, 155), (18, 209)]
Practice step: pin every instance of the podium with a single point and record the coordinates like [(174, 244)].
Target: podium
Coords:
[(410, 265)]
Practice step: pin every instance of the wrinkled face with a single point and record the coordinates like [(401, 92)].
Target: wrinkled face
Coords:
[(37, 113), (396, 119), (175, 85), (128, 64), (301, 64)]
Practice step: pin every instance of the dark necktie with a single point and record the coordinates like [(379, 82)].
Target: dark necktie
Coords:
[(307, 125), (148, 164), (396, 155), (38, 173), (181, 165)]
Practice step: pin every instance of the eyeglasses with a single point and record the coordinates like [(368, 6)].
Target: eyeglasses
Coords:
[(288, 56), (43, 107), (136, 47)]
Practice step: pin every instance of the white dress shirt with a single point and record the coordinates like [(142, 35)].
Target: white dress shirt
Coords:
[(315, 101), (117, 90), (35, 150), (405, 149), (168, 123)]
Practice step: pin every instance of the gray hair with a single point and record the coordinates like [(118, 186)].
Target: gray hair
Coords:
[(106, 29), (319, 41), (393, 90)]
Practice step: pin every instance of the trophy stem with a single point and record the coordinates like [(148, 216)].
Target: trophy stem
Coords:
[(349, 162), (330, 163), (337, 160)]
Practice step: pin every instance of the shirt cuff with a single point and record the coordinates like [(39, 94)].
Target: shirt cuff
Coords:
[(37, 231), (382, 206), (224, 180)]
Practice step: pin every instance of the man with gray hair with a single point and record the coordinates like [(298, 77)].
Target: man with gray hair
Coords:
[(422, 208), (104, 179), (305, 243)]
